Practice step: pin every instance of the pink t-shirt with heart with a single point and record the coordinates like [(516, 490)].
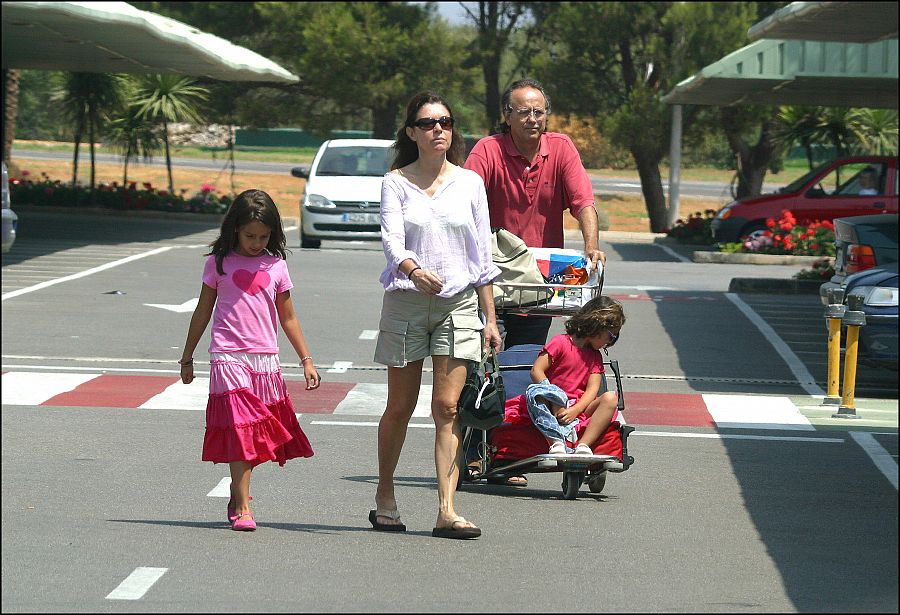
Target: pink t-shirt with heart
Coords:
[(245, 318)]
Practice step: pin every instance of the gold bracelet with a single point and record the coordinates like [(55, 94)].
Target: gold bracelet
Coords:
[(305, 359)]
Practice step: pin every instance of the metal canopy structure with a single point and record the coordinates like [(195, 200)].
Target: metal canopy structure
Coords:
[(851, 22), (840, 54), (115, 37), (794, 72)]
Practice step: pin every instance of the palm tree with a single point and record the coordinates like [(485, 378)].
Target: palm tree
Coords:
[(875, 130), (801, 125), (170, 98), (133, 136), (87, 100), (130, 134)]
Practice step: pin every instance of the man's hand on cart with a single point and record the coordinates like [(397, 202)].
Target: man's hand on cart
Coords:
[(593, 255)]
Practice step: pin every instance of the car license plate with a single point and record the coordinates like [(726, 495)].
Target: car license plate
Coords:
[(361, 218)]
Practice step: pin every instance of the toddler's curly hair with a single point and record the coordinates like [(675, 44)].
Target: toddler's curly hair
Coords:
[(596, 316)]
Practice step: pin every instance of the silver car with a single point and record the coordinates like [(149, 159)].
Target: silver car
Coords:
[(10, 219), (342, 198)]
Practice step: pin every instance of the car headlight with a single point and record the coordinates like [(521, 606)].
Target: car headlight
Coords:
[(317, 200), (876, 296), (723, 213)]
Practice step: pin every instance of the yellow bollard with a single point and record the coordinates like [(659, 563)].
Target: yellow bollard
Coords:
[(854, 319), (834, 312)]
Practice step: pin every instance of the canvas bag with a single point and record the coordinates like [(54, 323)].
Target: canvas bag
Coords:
[(483, 399), (517, 266)]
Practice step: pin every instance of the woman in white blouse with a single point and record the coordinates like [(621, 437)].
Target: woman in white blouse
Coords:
[(436, 236)]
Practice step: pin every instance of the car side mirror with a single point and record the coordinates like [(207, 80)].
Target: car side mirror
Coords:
[(301, 172)]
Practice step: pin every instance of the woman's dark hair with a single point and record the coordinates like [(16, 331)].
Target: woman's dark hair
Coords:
[(406, 149), (249, 206), (596, 316), (506, 100)]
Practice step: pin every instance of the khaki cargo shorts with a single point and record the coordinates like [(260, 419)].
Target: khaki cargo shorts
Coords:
[(415, 325)]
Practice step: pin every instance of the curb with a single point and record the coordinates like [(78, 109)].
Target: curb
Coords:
[(756, 259), (142, 213), (774, 286), (125, 213)]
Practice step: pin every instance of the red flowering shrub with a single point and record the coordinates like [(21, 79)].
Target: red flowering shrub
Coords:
[(786, 236), (47, 192)]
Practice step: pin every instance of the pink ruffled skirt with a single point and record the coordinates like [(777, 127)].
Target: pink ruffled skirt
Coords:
[(249, 416)]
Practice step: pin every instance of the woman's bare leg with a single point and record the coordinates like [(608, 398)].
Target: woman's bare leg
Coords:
[(403, 393), (449, 379)]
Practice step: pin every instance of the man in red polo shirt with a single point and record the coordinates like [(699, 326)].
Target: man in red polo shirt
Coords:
[(532, 176)]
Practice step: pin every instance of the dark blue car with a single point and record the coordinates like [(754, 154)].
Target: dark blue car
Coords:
[(878, 338)]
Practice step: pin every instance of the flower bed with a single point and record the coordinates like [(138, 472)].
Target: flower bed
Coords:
[(786, 236), (47, 192), (696, 230)]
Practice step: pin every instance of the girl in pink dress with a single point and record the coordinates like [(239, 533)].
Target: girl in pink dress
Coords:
[(249, 416)]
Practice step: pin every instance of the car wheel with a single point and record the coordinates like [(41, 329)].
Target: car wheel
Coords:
[(307, 242), (753, 229)]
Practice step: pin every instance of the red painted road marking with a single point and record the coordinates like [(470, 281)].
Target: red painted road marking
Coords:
[(113, 391), (317, 401), (674, 409)]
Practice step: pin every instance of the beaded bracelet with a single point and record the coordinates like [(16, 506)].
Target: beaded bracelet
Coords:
[(186, 361), (302, 359)]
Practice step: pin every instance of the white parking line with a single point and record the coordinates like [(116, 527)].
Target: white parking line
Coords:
[(137, 583), (664, 434), (368, 334), (672, 252), (75, 276), (736, 436), (367, 424), (804, 378), (877, 453)]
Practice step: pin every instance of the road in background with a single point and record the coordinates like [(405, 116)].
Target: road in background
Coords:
[(626, 185)]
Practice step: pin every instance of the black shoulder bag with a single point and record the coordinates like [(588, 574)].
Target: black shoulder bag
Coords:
[(482, 402)]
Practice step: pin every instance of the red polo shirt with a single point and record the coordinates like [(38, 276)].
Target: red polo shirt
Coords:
[(528, 199)]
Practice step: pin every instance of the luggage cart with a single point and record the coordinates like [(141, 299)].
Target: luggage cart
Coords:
[(499, 461)]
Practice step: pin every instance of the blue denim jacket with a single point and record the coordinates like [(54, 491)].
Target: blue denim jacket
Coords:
[(536, 397)]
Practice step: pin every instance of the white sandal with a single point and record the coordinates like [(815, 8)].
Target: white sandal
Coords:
[(557, 448), (583, 449)]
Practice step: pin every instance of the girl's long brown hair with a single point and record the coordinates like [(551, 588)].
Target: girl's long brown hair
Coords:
[(596, 316), (250, 205)]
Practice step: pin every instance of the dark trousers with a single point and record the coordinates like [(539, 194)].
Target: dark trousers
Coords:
[(524, 329)]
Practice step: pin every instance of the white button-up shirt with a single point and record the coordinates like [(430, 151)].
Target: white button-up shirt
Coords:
[(448, 233)]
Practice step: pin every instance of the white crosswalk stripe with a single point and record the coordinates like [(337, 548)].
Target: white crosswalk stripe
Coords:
[(31, 389), (370, 399), (745, 411), (181, 397)]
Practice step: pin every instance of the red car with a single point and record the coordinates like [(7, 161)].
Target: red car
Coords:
[(856, 186)]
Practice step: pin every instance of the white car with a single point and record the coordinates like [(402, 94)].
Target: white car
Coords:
[(10, 220), (342, 199)]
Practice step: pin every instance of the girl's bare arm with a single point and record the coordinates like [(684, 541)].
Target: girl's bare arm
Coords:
[(199, 322), (288, 319)]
